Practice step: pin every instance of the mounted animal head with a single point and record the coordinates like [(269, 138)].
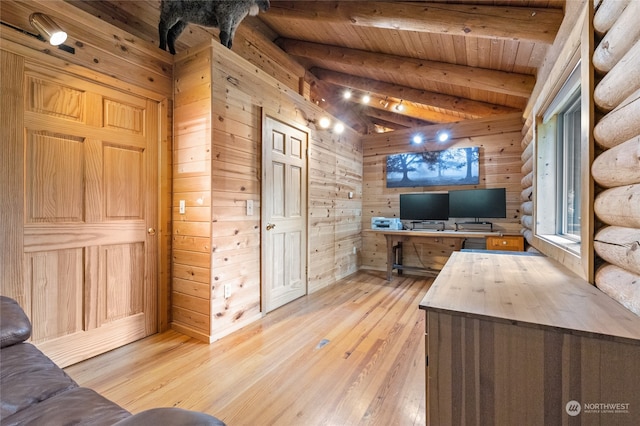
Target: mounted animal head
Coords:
[(175, 15)]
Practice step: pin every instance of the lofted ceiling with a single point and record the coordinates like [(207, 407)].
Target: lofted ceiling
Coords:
[(443, 61)]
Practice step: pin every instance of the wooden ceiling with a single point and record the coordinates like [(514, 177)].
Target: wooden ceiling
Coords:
[(443, 61)]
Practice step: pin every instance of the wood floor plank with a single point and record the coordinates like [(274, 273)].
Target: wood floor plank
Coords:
[(350, 354)]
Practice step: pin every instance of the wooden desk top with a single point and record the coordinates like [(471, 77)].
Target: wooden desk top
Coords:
[(528, 290), (432, 233)]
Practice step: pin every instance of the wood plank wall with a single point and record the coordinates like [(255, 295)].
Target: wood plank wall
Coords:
[(500, 161), (217, 168)]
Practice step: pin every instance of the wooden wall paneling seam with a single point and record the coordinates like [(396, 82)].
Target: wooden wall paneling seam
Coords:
[(587, 145), (12, 281)]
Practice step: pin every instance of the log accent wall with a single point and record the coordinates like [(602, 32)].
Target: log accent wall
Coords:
[(616, 168), (219, 98), (500, 159)]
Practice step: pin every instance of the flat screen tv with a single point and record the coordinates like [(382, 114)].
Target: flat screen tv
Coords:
[(478, 203), (424, 206)]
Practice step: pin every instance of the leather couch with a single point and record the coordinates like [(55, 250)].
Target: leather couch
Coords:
[(35, 391)]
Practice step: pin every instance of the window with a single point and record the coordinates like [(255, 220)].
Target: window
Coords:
[(558, 191), (568, 185)]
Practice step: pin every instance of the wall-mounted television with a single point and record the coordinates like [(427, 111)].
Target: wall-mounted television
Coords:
[(424, 206), (478, 203)]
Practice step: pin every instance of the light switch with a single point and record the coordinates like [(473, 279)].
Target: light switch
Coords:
[(249, 207), (183, 207)]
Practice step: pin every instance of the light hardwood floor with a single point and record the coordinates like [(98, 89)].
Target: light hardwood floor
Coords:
[(350, 354)]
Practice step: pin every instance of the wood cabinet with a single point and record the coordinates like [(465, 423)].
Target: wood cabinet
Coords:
[(505, 243), (518, 339)]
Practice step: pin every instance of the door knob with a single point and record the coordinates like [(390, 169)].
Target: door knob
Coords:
[(270, 226), (151, 231)]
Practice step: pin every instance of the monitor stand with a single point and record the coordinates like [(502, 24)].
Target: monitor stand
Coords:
[(477, 225), (418, 225)]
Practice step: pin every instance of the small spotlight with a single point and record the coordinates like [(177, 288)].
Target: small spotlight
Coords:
[(347, 94), (338, 128), (48, 28), (366, 99), (417, 139), (324, 123), (443, 137), (399, 107)]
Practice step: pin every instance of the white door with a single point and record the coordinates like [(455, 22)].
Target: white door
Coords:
[(284, 213)]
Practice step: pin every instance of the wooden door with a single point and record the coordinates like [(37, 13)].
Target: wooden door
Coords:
[(90, 195), (284, 214)]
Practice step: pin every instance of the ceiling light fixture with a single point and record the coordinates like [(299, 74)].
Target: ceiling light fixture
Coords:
[(417, 139), (47, 28), (366, 99), (324, 123), (338, 128), (347, 94), (443, 136), (399, 107)]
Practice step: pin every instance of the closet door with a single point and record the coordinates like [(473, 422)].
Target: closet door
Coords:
[(90, 207)]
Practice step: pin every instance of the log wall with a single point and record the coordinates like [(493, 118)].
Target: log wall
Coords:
[(613, 236), (616, 168), (500, 159), (219, 98)]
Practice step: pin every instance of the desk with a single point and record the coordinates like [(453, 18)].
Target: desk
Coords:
[(452, 239), (512, 339)]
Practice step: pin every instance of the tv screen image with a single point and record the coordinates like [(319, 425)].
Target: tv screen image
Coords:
[(424, 206), (478, 203)]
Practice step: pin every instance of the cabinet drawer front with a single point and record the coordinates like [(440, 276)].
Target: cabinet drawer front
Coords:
[(505, 243)]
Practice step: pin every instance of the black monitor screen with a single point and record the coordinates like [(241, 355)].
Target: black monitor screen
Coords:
[(424, 206), (478, 203)]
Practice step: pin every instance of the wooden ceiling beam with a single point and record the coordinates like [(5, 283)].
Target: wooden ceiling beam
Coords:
[(409, 109), (476, 78), (468, 107), (535, 25), (387, 117)]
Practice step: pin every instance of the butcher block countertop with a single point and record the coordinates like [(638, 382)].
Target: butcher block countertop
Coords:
[(533, 291)]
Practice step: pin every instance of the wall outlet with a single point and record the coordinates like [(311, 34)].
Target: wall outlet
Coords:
[(249, 207), (227, 291), (183, 207), (355, 250)]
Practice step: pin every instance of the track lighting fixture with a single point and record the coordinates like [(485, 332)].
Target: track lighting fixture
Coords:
[(399, 107), (347, 94), (366, 98), (324, 123), (47, 28)]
